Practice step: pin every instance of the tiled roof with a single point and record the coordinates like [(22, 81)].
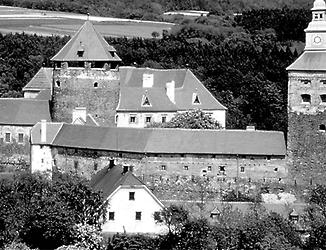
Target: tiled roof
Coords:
[(91, 43), (171, 141), (108, 180), (186, 84), (44, 94), (310, 60), (41, 80), (52, 129), (22, 111)]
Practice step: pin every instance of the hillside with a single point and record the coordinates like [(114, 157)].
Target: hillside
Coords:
[(153, 10)]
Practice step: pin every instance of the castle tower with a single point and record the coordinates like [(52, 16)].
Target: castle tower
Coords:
[(307, 104), (86, 74)]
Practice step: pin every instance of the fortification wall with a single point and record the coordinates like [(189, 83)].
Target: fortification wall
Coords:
[(95, 89)]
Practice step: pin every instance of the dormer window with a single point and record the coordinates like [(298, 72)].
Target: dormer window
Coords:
[(145, 101), (80, 51), (323, 99), (306, 99), (195, 99)]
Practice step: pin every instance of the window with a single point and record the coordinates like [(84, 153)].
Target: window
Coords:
[(222, 168), (163, 167), (57, 83), (163, 118), (7, 137), (268, 157), (275, 169), (95, 166), (75, 164), (145, 101), (322, 128), (242, 169), (209, 168), (305, 81), (323, 98), (148, 119), (157, 216), (80, 52), (138, 215), (185, 168), (131, 196), (316, 16), (132, 119), (20, 137), (195, 99), (306, 98), (111, 215), (116, 118), (204, 172), (321, 15), (95, 84), (323, 82), (112, 53)]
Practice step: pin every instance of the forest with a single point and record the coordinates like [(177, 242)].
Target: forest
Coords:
[(243, 67)]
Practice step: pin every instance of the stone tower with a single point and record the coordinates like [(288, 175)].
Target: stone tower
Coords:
[(86, 75), (307, 103)]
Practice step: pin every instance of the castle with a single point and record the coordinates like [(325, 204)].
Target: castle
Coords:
[(307, 104)]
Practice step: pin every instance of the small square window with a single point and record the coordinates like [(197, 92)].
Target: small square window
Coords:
[(111, 215), (20, 137), (275, 169), (306, 81), (131, 196), (163, 167), (222, 168), (163, 119), (323, 98), (306, 98), (185, 168), (209, 168), (242, 169), (138, 215), (132, 119), (8, 137), (148, 119), (268, 157)]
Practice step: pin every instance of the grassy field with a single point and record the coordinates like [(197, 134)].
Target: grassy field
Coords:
[(59, 23)]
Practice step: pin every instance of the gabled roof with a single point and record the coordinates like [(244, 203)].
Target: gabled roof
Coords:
[(108, 180), (186, 84), (23, 111), (90, 121), (171, 141), (52, 129), (42, 80), (91, 43), (309, 61)]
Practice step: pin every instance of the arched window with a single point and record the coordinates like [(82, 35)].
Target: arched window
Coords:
[(95, 84), (322, 128), (306, 98)]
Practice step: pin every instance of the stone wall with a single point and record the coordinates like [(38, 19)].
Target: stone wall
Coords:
[(177, 175), (306, 148), (95, 89), (14, 153)]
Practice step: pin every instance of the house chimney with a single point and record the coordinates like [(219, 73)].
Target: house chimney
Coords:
[(111, 164), (148, 80), (250, 128), (79, 112), (170, 90), (43, 131)]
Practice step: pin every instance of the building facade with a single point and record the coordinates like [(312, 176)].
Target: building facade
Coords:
[(307, 103)]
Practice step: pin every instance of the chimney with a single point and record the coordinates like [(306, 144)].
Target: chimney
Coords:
[(111, 164), (79, 112), (43, 131), (250, 128), (148, 80), (170, 92)]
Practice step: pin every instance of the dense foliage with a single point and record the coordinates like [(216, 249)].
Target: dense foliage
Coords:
[(45, 214), (195, 119)]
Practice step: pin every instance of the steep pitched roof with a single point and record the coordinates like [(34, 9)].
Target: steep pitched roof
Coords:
[(52, 129), (44, 94), (22, 111), (309, 60), (108, 180), (41, 80), (186, 85), (170, 141), (91, 43)]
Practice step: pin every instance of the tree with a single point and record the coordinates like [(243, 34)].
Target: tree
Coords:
[(194, 119)]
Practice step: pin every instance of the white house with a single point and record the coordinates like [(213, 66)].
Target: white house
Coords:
[(131, 205)]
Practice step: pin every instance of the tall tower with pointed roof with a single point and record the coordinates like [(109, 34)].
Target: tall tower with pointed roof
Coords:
[(86, 74), (307, 103)]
